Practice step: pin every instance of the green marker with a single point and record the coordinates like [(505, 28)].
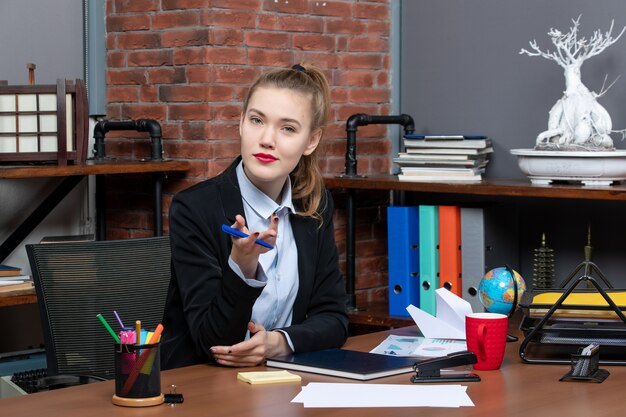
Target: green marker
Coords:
[(109, 329)]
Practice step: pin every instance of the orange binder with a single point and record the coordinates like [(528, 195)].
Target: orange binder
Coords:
[(450, 248)]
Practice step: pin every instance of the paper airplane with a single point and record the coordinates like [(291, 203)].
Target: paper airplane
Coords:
[(450, 321)]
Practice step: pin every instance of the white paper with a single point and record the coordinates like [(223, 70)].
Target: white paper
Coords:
[(450, 320), (16, 278), (452, 309), (325, 395), (432, 327), (398, 345), (418, 347), (435, 348)]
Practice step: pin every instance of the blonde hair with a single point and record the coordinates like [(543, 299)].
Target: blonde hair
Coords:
[(306, 178)]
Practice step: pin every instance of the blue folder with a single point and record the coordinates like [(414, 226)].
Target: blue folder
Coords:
[(403, 260)]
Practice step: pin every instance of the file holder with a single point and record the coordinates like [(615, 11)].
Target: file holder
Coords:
[(585, 368), (430, 369)]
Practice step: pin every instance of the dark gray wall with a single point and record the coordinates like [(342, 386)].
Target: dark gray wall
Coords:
[(461, 70), (48, 33)]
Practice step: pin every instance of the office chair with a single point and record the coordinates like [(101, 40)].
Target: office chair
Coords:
[(76, 281)]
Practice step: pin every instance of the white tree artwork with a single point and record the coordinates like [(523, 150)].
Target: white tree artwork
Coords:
[(577, 121)]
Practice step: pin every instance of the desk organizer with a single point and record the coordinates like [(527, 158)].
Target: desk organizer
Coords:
[(137, 375), (44, 123), (585, 368), (558, 321)]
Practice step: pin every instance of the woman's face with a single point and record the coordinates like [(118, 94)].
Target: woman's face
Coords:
[(275, 132)]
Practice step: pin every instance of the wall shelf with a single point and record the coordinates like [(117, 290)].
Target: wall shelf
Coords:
[(14, 298), (72, 175), (375, 314), (492, 187), (91, 167), (107, 166)]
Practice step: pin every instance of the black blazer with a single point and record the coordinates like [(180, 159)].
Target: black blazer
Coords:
[(208, 304)]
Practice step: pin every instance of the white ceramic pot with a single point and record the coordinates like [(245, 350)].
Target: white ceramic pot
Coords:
[(589, 168)]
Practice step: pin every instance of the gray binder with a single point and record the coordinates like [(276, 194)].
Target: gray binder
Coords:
[(489, 239)]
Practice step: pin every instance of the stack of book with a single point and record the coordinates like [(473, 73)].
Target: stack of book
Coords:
[(11, 279), (444, 157)]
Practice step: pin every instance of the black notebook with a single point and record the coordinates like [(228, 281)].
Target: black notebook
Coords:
[(344, 363)]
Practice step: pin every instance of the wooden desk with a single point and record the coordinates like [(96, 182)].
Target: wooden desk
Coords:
[(516, 389)]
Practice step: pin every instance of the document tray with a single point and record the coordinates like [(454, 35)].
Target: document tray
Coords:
[(556, 322)]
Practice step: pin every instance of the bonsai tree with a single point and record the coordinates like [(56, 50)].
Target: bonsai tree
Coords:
[(577, 121)]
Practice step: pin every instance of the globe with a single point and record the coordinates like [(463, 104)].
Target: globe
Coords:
[(496, 290)]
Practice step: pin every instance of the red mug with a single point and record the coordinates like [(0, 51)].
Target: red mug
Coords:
[(486, 337)]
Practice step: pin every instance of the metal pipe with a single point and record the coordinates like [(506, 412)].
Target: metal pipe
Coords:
[(156, 154), (142, 125), (361, 119), (158, 204), (352, 125), (101, 216), (350, 250)]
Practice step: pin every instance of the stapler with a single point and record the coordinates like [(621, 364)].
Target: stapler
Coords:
[(430, 369)]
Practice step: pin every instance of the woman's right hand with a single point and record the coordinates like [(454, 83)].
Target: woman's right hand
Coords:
[(245, 252)]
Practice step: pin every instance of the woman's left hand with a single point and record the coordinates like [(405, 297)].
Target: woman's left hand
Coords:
[(252, 352)]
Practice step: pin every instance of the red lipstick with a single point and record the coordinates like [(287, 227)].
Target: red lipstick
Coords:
[(263, 157)]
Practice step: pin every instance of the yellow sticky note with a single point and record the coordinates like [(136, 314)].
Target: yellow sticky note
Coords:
[(268, 377)]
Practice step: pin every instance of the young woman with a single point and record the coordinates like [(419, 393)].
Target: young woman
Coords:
[(230, 299)]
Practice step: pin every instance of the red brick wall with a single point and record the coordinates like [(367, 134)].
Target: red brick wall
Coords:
[(187, 64)]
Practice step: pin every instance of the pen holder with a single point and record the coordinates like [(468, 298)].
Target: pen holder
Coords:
[(585, 368), (137, 375)]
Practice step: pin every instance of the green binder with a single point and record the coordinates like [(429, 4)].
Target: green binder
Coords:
[(429, 257)]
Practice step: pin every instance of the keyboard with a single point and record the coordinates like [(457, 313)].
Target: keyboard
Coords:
[(27, 380)]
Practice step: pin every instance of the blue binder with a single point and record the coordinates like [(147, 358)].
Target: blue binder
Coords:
[(429, 257), (403, 259)]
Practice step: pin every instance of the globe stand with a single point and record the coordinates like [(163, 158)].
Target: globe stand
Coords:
[(514, 304), (510, 337)]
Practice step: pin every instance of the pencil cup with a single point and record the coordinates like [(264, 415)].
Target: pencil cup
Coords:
[(585, 368), (137, 375)]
